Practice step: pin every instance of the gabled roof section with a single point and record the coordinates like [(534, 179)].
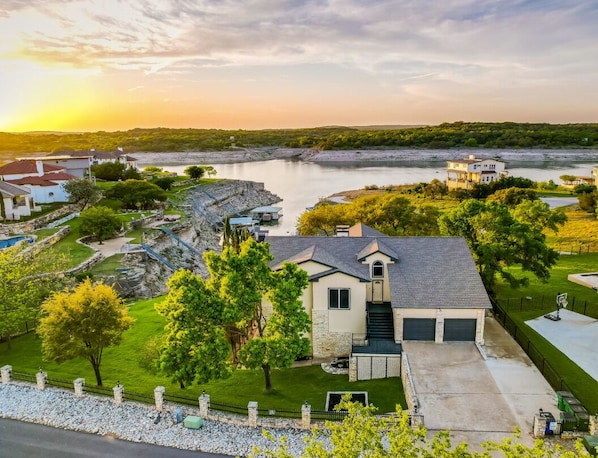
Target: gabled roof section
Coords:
[(362, 230), (433, 272), (49, 179), (27, 167), (322, 256), (12, 190), (377, 246)]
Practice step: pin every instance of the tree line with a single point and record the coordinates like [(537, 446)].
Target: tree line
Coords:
[(446, 135)]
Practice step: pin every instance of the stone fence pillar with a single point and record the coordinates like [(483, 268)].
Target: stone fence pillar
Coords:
[(252, 413), (204, 405), (41, 379), (79, 385), (593, 430), (159, 397), (539, 428), (6, 373), (353, 369), (306, 416), (119, 393)]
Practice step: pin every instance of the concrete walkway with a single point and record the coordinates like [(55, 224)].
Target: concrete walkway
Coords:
[(111, 247), (479, 399)]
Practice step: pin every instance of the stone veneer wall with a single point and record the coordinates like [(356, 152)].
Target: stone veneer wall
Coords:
[(326, 343)]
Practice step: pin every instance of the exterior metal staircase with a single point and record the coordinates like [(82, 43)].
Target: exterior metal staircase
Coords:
[(159, 257), (182, 242)]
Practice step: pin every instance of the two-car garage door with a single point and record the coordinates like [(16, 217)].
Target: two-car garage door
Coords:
[(425, 329)]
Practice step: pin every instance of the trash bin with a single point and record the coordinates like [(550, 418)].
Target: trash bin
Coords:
[(565, 398), (568, 421), (551, 426), (583, 421)]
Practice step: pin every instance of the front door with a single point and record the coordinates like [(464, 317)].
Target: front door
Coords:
[(378, 291)]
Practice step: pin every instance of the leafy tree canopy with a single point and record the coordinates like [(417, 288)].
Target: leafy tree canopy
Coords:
[(99, 222), (195, 172), (82, 322), (137, 194), (390, 214), (245, 315), (82, 192), (499, 237), (28, 277), (362, 434)]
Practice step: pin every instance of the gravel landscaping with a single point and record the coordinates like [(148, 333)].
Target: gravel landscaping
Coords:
[(134, 422)]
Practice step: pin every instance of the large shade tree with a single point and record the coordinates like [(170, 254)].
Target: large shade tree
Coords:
[(82, 322), (82, 192), (245, 314), (100, 222), (500, 237), (28, 277)]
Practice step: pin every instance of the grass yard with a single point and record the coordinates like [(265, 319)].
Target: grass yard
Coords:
[(543, 300), (292, 387), (68, 247)]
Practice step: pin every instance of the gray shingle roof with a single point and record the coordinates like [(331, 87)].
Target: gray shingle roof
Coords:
[(430, 272)]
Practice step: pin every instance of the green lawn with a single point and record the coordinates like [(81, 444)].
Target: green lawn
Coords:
[(543, 300), (292, 387), (68, 247)]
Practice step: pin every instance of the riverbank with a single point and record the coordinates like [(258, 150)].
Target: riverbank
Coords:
[(339, 156)]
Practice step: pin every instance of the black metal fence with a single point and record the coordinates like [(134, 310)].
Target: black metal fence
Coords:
[(547, 303)]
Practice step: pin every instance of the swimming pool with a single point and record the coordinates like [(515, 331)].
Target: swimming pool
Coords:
[(11, 241)]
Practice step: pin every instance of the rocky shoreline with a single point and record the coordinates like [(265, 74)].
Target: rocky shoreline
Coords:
[(362, 155)]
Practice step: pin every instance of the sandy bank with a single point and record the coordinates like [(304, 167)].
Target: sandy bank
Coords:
[(402, 155)]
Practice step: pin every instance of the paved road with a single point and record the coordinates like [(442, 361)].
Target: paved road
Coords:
[(25, 440)]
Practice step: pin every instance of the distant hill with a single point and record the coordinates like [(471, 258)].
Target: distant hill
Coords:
[(443, 136)]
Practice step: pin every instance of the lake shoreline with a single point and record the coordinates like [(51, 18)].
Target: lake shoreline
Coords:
[(363, 155)]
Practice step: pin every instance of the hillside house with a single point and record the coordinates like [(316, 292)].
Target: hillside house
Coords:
[(99, 157), (465, 173), (369, 292), (79, 167), (45, 182), (17, 200)]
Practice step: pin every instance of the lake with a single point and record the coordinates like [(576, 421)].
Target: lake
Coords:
[(301, 184)]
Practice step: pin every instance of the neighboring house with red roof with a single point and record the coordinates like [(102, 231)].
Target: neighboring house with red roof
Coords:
[(45, 182), (17, 200), (77, 166)]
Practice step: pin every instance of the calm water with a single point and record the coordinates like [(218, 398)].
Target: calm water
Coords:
[(301, 184)]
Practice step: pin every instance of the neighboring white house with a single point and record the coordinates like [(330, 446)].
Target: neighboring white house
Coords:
[(369, 292), (77, 166), (99, 157), (464, 173), (45, 182), (17, 200)]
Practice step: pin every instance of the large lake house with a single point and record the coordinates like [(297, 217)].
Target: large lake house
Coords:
[(369, 292)]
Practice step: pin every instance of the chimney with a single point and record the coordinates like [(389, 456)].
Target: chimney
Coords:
[(120, 148), (342, 230), (472, 156), (39, 165)]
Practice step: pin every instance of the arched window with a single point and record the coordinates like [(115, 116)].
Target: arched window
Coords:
[(378, 269)]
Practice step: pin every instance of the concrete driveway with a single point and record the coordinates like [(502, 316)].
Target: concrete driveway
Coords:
[(479, 399)]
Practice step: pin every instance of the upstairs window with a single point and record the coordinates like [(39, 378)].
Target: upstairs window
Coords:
[(378, 269), (338, 298)]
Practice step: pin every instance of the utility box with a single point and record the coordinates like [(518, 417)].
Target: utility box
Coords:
[(193, 422), (178, 415), (591, 444)]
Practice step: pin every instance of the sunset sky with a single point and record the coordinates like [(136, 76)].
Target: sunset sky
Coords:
[(88, 65)]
